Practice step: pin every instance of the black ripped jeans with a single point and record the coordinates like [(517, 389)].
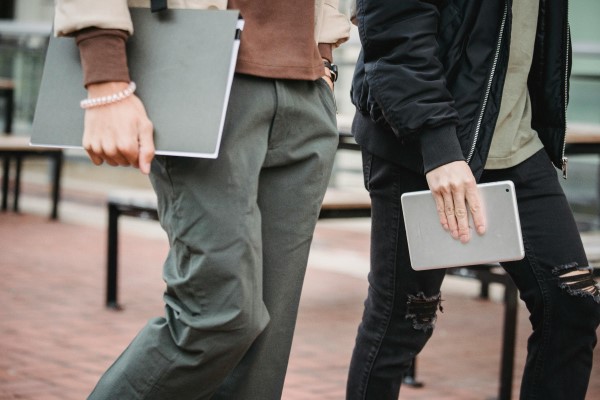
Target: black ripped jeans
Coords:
[(401, 306)]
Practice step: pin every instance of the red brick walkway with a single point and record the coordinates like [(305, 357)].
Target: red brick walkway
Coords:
[(56, 338)]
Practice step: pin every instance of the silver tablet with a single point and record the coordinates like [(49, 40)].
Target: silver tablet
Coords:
[(431, 247)]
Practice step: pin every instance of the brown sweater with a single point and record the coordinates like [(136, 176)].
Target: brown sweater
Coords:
[(277, 42)]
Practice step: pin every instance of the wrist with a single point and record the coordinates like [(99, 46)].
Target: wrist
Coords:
[(105, 88), (107, 93)]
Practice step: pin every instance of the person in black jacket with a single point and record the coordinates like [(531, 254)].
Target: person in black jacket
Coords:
[(450, 94)]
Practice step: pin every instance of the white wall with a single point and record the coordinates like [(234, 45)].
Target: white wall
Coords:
[(34, 10)]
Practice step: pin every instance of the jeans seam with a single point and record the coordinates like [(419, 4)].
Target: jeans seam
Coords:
[(388, 316), (530, 254)]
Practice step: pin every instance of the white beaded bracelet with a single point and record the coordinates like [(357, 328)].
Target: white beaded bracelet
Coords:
[(113, 98)]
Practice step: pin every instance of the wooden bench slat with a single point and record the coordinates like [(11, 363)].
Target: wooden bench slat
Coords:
[(7, 84), (583, 133), (345, 199), (133, 198), (11, 143), (334, 198), (17, 147)]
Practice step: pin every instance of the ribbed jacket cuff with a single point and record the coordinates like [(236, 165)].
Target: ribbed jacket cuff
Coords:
[(103, 57), (440, 146)]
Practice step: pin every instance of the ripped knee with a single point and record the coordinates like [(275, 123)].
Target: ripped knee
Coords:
[(577, 281), (423, 310)]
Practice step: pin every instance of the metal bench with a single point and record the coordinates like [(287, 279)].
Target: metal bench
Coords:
[(143, 204), (337, 204), (345, 204), (13, 147), (17, 148)]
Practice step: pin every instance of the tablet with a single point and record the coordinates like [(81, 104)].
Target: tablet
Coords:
[(431, 247)]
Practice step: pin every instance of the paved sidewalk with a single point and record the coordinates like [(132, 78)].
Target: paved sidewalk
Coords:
[(56, 337)]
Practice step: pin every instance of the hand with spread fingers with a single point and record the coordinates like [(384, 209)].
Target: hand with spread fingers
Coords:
[(118, 133), (456, 194)]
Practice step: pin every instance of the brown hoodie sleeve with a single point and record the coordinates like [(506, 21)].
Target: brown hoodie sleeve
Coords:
[(103, 57)]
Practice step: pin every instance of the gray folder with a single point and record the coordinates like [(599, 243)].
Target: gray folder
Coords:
[(182, 62)]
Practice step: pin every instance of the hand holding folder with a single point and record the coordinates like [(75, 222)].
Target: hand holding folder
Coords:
[(121, 134), (183, 62)]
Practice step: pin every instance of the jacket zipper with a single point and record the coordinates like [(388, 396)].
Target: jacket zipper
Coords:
[(564, 159), (489, 84)]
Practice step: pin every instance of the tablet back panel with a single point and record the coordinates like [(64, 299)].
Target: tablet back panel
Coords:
[(431, 247)]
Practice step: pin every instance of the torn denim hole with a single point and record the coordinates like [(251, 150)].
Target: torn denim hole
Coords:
[(423, 310), (577, 281)]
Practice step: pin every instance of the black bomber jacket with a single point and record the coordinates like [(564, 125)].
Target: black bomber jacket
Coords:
[(433, 72)]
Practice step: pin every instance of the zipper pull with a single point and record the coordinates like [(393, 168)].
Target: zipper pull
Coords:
[(565, 161)]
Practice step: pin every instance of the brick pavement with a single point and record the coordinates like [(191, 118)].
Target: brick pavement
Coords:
[(56, 338)]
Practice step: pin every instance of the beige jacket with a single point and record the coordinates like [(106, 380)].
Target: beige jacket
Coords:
[(72, 15)]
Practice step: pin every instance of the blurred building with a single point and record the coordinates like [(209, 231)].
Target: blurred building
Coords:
[(25, 27)]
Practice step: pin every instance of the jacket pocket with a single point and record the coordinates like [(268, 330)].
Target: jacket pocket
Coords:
[(360, 94)]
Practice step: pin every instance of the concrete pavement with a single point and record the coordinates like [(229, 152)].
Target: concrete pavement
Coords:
[(56, 338)]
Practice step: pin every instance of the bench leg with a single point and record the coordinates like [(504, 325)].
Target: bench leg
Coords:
[(17, 189), (508, 340), (5, 178), (8, 115), (410, 378), (598, 195), (484, 292), (112, 257), (56, 173)]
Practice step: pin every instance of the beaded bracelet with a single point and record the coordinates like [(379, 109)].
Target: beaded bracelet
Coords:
[(113, 98)]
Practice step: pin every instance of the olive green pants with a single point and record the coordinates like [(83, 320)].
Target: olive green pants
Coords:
[(240, 229)]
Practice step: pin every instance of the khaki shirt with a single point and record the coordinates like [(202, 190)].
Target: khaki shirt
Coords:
[(514, 139)]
